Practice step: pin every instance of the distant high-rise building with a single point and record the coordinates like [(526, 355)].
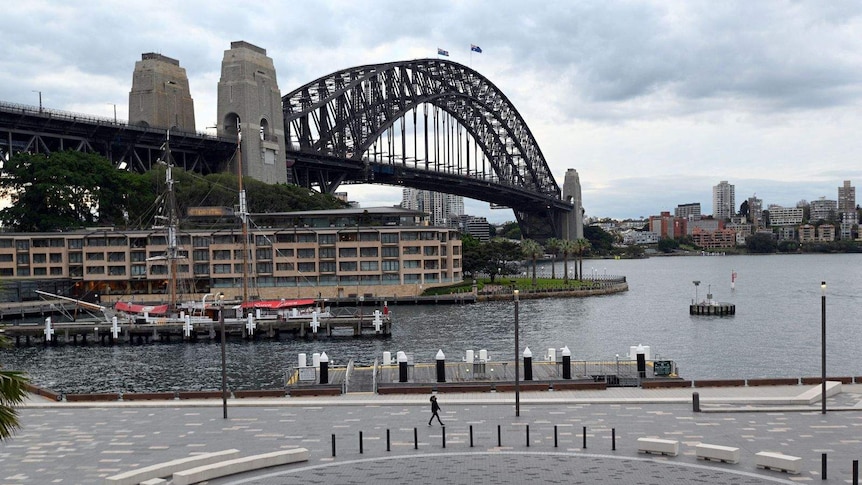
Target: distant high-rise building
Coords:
[(723, 200), (443, 209), (755, 211), (846, 198), (688, 211), (823, 209), (160, 96)]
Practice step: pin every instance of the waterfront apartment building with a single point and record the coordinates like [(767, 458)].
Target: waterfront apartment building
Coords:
[(327, 253), (847, 199), (755, 211), (690, 211), (823, 209), (723, 200), (667, 226), (785, 216)]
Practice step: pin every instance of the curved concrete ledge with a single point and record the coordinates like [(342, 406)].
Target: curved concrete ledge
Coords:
[(138, 475), (239, 465)]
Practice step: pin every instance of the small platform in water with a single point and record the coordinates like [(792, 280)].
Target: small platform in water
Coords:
[(712, 309)]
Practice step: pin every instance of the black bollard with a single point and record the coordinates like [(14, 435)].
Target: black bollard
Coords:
[(471, 436), (823, 466), (444, 437), (585, 437), (333, 445), (360, 442), (388, 447), (415, 439), (441, 366), (695, 402), (855, 472), (528, 436), (567, 366), (528, 368), (641, 366), (324, 369), (402, 370), (555, 436), (499, 437), (613, 439)]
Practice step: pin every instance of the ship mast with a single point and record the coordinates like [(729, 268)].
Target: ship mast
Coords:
[(243, 215), (172, 253)]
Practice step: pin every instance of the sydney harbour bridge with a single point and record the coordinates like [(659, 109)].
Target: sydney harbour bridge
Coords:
[(429, 124)]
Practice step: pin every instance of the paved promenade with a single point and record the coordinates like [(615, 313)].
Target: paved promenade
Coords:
[(82, 443)]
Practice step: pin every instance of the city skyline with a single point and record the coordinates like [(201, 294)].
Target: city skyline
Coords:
[(652, 103)]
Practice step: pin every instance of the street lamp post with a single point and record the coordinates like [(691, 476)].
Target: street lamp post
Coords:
[(822, 347), (223, 355), (517, 370), (40, 99)]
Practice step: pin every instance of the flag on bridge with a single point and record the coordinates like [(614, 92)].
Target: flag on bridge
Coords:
[(475, 48), (441, 52)]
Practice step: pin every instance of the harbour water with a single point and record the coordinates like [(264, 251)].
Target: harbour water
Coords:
[(775, 332)]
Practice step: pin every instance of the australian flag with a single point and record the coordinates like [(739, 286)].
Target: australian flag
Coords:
[(441, 52), (475, 48)]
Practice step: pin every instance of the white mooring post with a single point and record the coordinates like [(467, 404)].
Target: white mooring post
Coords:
[(115, 328), (49, 331), (378, 322), (315, 323), (187, 326), (249, 325)]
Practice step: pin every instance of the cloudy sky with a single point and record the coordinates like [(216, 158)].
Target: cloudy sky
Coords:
[(653, 102)]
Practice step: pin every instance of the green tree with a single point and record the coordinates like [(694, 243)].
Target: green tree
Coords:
[(552, 245), (500, 256), (582, 245), (471, 255), (567, 247), (12, 392), (510, 230), (63, 190), (667, 245), (761, 242), (533, 251), (601, 241)]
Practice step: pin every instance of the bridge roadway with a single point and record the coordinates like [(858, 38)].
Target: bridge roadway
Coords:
[(81, 443)]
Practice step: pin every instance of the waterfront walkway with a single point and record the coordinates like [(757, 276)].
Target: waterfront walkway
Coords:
[(82, 443)]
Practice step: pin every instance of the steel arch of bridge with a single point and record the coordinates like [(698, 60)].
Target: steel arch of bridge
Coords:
[(336, 129)]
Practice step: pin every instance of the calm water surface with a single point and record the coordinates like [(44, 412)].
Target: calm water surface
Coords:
[(775, 332)]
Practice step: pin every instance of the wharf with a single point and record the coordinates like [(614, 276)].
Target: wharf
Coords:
[(80, 332)]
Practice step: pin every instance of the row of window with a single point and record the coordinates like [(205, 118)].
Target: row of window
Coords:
[(227, 254), (206, 241)]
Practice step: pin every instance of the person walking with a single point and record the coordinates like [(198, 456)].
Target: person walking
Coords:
[(435, 409)]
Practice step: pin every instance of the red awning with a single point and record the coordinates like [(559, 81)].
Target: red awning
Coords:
[(135, 308), (277, 304)]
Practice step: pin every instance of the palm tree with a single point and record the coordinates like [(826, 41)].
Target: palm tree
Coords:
[(532, 250), (12, 393), (582, 245), (567, 247), (553, 246)]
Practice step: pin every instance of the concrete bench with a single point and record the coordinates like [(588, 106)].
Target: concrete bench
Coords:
[(815, 394), (658, 446), (239, 465), (166, 469), (154, 481), (778, 461), (725, 454)]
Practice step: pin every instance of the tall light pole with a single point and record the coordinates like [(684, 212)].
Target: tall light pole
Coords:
[(223, 355), (696, 284), (40, 99), (822, 347), (517, 370)]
